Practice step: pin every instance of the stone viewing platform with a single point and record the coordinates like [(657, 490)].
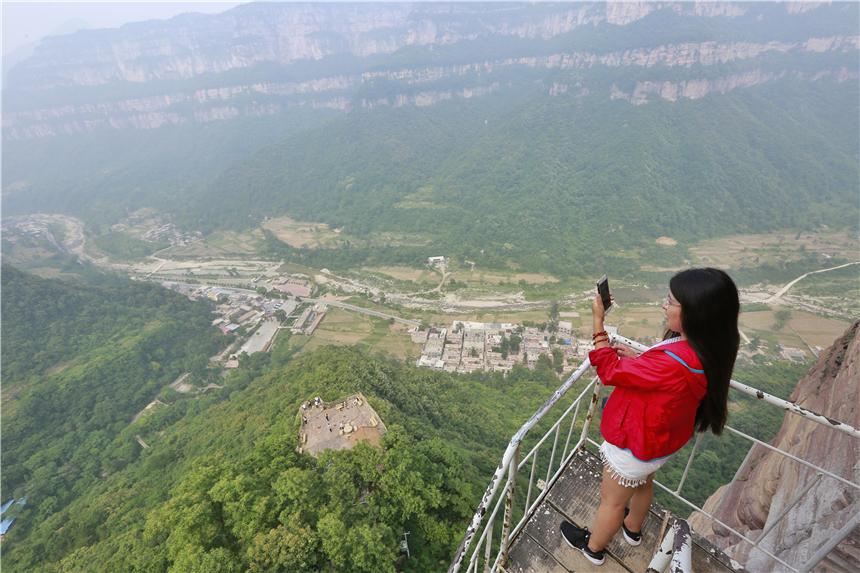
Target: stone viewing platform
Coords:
[(338, 425)]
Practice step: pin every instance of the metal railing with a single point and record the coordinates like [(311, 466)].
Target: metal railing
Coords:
[(490, 553), (507, 472), (676, 551)]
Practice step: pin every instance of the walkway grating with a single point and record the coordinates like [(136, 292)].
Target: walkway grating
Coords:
[(539, 547)]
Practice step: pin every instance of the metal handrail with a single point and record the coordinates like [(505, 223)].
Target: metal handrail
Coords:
[(764, 396), (510, 452), (511, 463), (676, 550)]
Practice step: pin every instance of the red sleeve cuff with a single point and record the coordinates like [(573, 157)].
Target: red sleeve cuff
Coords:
[(601, 356)]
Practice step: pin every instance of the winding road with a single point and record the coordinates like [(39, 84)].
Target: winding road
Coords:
[(784, 289)]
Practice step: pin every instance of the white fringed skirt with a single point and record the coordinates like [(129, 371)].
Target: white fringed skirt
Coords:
[(625, 468)]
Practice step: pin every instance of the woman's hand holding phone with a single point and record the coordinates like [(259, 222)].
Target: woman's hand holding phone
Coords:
[(624, 351)]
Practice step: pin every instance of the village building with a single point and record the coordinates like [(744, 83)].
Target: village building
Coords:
[(431, 362), (319, 311), (418, 335), (435, 343), (793, 354), (565, 329), (299, 324)]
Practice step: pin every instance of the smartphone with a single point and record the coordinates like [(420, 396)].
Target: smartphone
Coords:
[(603, 291)]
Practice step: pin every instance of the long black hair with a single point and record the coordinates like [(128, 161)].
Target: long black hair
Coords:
[(709, 317)]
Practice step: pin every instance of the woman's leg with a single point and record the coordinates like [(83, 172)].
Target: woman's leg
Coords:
[(640, 503), (610, 513)]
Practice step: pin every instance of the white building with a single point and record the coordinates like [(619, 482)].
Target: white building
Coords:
[(565, 329)]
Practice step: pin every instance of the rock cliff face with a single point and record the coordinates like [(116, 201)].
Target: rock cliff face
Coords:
[(768, 482), (263, 59)]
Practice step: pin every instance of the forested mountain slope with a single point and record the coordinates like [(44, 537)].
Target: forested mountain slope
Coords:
[(78, 363), (531, 132), (552, 181), (222, 488)]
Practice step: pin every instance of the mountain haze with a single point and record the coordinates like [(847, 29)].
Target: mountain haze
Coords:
[(490, 131), (160, 334)]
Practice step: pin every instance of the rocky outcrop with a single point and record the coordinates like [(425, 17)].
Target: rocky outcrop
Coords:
[(767, 482), (249, 35), (215, 68), (698, 88)]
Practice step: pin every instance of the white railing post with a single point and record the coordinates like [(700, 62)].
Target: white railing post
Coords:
[(682, 548), (661, 559), (676, 550), (549, 471), (689, 462), (509, 508), (592, 410), (570, 431), (531, 478), (488, 550)]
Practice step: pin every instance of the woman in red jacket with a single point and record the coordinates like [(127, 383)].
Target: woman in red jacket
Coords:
[(661, 397)]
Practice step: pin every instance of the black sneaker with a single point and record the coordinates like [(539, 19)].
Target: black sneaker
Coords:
[(577, 538), (631, 537)]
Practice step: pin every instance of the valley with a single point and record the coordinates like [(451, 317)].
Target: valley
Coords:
[(282, 281), (784, 318)]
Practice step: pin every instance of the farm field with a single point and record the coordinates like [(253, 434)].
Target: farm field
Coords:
[(642, 323), (837, 290), (496, 278), (344, 328), (199, 249), (410, 274), (816, 330), (302, 233), (774, 248), (802, 329), (240, 243)]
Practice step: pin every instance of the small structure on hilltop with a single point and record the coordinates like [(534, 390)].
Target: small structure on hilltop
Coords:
[(338, 425), (437, 261)]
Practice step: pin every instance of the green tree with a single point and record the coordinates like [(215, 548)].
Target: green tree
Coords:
[(293, 547), (781, 318), (558, 360)]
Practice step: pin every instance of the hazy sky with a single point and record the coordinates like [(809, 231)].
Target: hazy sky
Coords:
[(27, 22)]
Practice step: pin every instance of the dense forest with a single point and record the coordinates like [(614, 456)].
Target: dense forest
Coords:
[(222, 483), (527, 188), (78, 361)]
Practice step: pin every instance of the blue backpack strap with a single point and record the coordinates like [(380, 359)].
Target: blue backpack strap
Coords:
[(687, 366)]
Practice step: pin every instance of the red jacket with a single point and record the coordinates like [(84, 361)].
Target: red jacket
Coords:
[(652, 411)]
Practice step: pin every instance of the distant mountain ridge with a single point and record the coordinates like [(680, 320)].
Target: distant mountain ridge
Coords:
[(258, 60), (500, 133)]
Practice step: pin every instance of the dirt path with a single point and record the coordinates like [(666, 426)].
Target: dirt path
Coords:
[(368, 311), (784, 289), (180, 386)]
